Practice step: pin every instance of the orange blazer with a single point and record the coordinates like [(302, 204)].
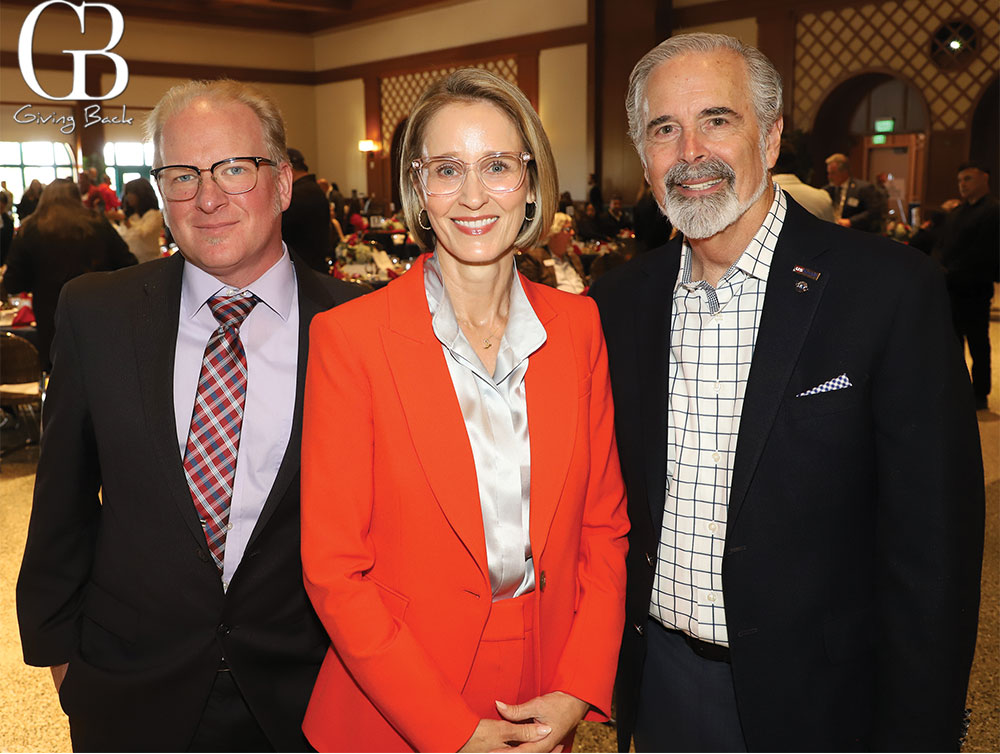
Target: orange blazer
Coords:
[(393, 549)]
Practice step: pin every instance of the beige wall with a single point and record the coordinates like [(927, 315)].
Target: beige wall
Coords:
[(562, 106), (340, 118), (58, 29), (441, 28)]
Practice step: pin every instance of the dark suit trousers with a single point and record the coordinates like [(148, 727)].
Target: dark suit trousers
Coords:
[(970, 310), (227, 723), (686, 702)]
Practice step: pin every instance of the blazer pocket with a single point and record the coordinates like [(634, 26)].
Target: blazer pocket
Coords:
[(819, 404), (110, 613), (395, 602)]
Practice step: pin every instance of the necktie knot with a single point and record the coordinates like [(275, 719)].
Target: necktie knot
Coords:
[(230, 311)]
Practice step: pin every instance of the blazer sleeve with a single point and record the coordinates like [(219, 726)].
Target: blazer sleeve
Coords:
[(386, 660), (589, 658), (929, 522), (65, 513)]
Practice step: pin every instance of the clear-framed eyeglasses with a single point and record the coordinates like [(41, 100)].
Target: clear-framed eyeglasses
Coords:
[(500, 172), (237, 175)]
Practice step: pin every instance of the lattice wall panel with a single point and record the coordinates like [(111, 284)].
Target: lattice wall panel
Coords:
[(833, 45), (398, 94)]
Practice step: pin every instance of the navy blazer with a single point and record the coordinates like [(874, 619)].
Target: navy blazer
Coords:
[(855, 524)]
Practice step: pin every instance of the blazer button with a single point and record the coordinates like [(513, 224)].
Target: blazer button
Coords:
[(224, 629), (650, 559), (541, 581), (639, 629)]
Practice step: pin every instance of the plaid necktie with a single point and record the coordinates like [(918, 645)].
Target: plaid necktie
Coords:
[(214, 438)]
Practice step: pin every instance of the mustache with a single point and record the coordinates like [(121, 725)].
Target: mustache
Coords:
[(713, 167)]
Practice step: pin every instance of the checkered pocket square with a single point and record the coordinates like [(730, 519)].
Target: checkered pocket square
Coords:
[(837, 383)]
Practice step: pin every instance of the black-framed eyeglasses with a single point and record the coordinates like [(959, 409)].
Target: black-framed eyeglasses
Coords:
[(237, 175), (500, 172)]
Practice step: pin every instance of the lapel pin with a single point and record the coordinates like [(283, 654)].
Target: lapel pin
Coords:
[(801, 286), (806, 272)]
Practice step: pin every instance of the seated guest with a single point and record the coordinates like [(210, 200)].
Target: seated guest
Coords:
[(587, 226), (467, 556), (60, 241), (357, 222), (565, 202), (615, 220), (143, 222), (555, 264)]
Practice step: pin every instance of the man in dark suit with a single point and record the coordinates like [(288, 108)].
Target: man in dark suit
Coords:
[(856, 204), (161, 579), (305, 225), (798, 443)]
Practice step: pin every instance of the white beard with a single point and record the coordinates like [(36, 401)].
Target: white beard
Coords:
[(704, 216)]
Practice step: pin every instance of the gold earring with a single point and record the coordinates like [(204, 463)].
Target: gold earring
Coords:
[(420, 221)]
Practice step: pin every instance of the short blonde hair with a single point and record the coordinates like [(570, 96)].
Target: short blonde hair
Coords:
[(559, 221), (468, 85), (220, 91)]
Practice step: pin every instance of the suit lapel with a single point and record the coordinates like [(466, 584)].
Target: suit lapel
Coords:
[(784, 325), (431, 410), (158, 311), (313, 299), (552, 415), (652, 331)]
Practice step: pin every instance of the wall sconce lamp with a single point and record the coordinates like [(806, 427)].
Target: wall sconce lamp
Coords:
[(368, 148)]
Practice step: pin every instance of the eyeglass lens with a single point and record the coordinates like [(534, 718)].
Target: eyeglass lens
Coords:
[(498, 172), (233, 177)]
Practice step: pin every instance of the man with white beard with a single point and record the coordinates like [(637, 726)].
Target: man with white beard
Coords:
[(799, 445)]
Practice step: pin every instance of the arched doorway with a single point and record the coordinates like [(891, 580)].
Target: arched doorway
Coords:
[(983, 142), (846, 123)]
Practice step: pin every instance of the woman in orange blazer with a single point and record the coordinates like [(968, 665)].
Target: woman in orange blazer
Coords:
[(463, 517)]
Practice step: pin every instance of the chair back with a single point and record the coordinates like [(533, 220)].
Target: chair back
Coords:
[(19, 361)]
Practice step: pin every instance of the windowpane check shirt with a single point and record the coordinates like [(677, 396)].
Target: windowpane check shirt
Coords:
[(713, 332)]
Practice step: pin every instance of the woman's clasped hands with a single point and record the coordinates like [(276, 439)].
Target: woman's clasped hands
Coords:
[(540, 724)]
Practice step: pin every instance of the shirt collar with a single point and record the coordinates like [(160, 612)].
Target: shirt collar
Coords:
[(755, 261), (523, 335), (275, 288)]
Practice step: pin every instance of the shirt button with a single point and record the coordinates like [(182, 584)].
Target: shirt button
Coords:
[(713, 527), (717, 387), (247, 294), (225, 585), (711, 596), (229, 527), (716, 456)]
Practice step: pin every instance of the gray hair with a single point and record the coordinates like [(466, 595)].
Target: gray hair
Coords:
[(221, 91), (765, 81)]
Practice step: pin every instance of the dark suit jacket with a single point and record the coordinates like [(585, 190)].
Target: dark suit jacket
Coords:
[(305, 225), (864, 206), (43, 262), (126, 591), (855, 525)]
